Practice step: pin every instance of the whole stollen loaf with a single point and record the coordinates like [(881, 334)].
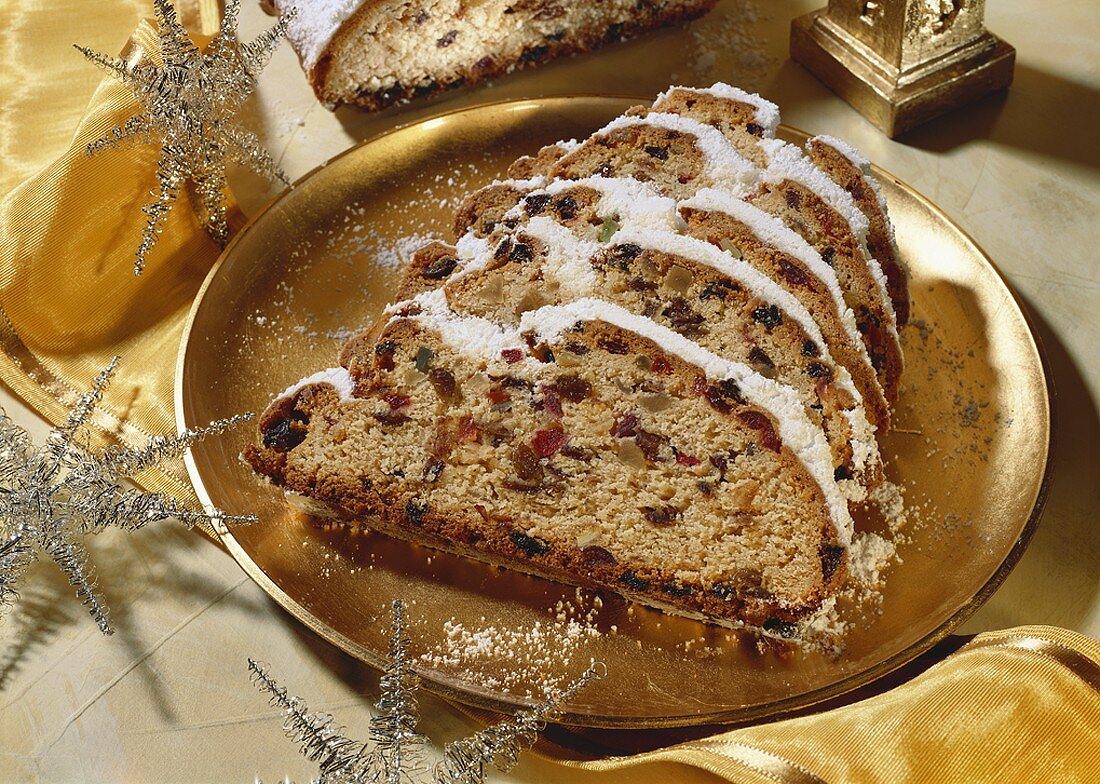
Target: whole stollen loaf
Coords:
[(654, 361), (373, 53)]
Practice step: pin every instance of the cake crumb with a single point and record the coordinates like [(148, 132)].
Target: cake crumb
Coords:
[(869, 556), (889, 499)]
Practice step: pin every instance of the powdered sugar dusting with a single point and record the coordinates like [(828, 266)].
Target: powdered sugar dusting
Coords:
[(728, 41), (525, 661), (398, 253), (869, 556), (890, 500), (311, 32)]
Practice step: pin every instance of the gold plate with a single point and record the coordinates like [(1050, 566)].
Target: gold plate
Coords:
[(972, 443)]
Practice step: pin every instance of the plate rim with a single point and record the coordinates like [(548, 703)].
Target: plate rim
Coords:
[(774, 709)]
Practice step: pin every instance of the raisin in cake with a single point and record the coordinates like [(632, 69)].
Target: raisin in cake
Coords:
[(653, 361), (373, 53)]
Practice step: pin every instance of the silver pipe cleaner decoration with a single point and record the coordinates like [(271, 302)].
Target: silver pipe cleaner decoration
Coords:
[(397, 744), (464, 761), (188, 105), (394, 750), (53, 495), (341, 759)]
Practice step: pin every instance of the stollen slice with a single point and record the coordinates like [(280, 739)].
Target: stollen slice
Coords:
[(536, 448)]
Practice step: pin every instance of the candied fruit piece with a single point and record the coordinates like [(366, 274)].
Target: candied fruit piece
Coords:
[(626, 426), (760, 422), (661, 515), (396, 399), (424, 358), (594, 554), (549, 441)]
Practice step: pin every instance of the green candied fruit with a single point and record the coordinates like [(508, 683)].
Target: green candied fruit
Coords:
[(424, 359), (608, 229)]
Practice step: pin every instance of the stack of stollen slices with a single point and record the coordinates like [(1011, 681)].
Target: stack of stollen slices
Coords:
[(655, 361)]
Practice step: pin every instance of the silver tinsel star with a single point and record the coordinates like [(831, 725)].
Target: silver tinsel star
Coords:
[(52, 495), (188, 107), (394, 752)]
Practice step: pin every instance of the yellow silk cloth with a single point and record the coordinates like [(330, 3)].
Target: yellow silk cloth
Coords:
[(69, 226), (1019, 705)]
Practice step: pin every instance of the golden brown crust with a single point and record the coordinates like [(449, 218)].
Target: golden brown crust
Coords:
[(571, 566)]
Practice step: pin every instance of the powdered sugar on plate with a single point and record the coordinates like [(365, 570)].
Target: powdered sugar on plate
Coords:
[(526, 661)]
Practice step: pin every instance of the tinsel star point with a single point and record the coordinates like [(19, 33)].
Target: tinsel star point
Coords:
[(394, 751), (53, 495), (189, 102)]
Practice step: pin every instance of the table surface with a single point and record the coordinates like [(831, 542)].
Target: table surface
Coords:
[(168, 697)]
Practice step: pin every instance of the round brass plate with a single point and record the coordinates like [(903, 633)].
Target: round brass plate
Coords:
[(971, 446)]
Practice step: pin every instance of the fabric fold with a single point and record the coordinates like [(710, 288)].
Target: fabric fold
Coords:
[(1016, 705), (69, 300)]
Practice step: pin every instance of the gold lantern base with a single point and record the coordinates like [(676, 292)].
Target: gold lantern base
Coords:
[(895, 101)]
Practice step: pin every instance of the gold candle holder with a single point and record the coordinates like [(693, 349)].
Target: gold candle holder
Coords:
[(902, 62)]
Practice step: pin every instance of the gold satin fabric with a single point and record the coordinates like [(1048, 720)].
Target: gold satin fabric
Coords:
[(1015, 706), (69, 226), (1020, 705)]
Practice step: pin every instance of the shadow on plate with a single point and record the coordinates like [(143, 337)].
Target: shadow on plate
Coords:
[(1056, 580)]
